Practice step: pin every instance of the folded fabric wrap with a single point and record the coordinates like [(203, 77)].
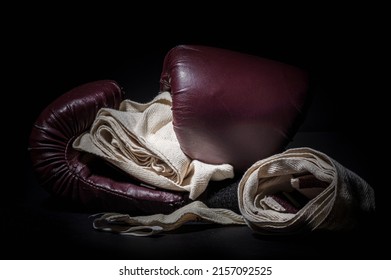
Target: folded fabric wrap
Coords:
[(140, 140), (294, 191), (337, 197)]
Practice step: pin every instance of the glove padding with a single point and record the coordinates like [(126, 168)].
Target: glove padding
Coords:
[(230, 107), (81, 177)]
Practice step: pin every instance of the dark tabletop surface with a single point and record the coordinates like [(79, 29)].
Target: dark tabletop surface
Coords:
[(345, 121)]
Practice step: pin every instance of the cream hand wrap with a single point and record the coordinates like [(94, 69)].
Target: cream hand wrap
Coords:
[(140, 140), (337, 199), (342, 201), (148, 225)]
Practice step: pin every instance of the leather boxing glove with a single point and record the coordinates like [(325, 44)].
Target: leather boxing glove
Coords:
[(82, 177), (230, 107)]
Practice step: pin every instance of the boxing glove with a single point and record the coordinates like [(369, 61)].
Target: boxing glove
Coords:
[(230, 107), (81, 177)]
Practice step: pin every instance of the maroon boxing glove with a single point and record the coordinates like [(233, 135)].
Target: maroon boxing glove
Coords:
[(82, 177), (230, 107)]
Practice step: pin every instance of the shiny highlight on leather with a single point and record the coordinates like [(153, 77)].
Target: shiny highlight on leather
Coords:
[(81, 177), (230, 107)]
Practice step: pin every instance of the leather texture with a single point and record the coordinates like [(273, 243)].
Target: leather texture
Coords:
[(81, 177), (230, 107)]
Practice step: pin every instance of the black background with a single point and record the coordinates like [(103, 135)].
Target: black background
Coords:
[(342, 52), (55, 51)]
